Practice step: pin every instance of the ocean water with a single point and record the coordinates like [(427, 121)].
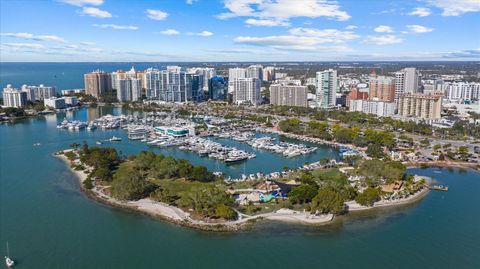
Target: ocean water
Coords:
[(50, 223), (61, 75)]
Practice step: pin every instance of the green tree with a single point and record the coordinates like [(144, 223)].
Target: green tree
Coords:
[(303, 193), (328, 201), (225, 212), (368, 197)]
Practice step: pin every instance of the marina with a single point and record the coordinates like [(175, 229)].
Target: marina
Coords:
[(233, 146)]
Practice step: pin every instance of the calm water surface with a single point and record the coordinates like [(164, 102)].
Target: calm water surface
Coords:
[(49, 223)]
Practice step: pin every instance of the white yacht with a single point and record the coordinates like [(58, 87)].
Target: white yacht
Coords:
[(9, 261)]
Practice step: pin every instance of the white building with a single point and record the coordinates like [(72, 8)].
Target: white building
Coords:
[(295, 82), (379, 108), (268, 73), (129, 89), (234, 73), (71, 100), (38, 93), (326, 88), (407, 80), (246, 91), (206, 72), (288, 95), (72, 91), (13, 97), (152, 83), (55, 103), (255, 71), (461, 91)]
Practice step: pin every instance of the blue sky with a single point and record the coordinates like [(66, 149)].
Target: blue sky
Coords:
[(239, 30)]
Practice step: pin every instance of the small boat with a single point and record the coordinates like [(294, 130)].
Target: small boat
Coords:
[(8, 261), (37, 144), (439, 188), (98, 142), (114, 138)]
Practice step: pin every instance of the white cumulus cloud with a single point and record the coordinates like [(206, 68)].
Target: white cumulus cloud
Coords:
[(169, 32), (116, 26), (282, 10), (95, 12), (383, 40), (156, 14), (351, 27), (383, 29), (421, 12), (266, 22), (80, 3), (30, 36), (455, 7), (303, 39), (418, 29)]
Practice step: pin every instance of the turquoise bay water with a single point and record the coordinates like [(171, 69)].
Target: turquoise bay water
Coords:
[(49, 223)]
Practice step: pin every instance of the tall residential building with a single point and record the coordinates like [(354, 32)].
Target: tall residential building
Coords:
[(129, 89), (356, 94), (326, 88), (407, 80), (38, 93), (152, 83), (234, 73), (179, 86), (13, 97), (382, 88), (255, 71), (461, 91), (246, 90), (217, 88), (421, 106), (268, 73), (288, 95), (206, 72), (379, 108), (97, 83)]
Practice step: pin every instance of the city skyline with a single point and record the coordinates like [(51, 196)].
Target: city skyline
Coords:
[(260, 30)]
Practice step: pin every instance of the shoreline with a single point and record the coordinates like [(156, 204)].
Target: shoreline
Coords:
[(177, 216)]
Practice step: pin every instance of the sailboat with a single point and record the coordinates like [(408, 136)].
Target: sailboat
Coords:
[(8, 261)]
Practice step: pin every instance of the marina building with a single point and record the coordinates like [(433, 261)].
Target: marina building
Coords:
[(217, 88), (70, 100), (55, 103), (246, 91), (97, 83), (421, 106), (13, 97), (326, 88), (382, 88), (288, 95)]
